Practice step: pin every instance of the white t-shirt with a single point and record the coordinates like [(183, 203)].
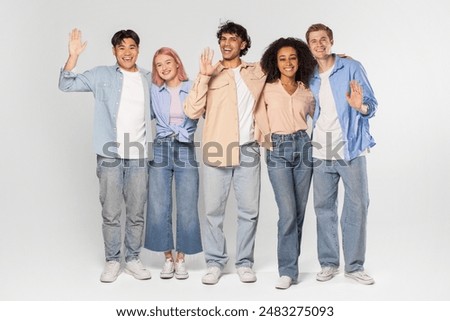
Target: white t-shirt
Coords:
[(131, 117), (327, 137), (245, 104)]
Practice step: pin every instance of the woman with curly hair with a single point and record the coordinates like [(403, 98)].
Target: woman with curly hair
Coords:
[(281, 121)]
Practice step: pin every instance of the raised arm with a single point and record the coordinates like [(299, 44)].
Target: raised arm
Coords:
[(76, 47), (195, 103), (206, 67)]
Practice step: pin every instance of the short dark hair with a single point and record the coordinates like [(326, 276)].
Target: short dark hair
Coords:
[(306, 61), (119, 36), (236, 29)]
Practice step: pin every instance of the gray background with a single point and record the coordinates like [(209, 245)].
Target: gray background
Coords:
[(50, 227)]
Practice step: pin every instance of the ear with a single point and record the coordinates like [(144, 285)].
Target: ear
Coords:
[(243, 45), (114, 51), (332, 41)]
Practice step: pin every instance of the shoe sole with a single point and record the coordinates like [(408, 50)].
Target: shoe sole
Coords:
[(166, 276), (181, 276), (137, 276), (108, 280), (248, 281), (282, 287), (365, 282), (210, 282)]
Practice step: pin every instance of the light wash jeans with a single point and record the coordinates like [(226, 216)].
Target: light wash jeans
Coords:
[(122, 180), (326, 178), (217, 181), (173, 159), (290, 171)]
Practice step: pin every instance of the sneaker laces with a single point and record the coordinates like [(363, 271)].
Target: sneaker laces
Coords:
[(168, 266), (362, 275), (180, 267), (326, 270)]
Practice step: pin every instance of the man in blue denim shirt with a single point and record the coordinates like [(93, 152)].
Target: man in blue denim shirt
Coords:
[(341, 139), (122, 113)]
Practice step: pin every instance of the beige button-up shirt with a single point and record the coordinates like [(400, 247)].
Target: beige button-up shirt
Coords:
[(215, 98), (279, 112)]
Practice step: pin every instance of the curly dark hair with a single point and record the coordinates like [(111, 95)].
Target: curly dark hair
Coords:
[(306, 61), (235, 29)]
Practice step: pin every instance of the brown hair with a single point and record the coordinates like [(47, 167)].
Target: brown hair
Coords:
[(318, 27)]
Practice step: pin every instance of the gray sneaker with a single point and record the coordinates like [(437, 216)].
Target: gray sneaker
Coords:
[(136, 269), (168, 270), (361, 277), (212, 275), (327, 273), (246, 274), (110, 272)]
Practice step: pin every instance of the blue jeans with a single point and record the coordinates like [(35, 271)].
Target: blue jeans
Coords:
[(173, 159), (246, 180), (354, 213), (290, 171), (122, 180)]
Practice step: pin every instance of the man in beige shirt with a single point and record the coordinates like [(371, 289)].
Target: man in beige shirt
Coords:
[(226, 94)]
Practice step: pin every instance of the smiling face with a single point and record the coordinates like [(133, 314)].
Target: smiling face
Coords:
[(231, 46), (126, 54), (287, 62), (166, 67), (320, 44)]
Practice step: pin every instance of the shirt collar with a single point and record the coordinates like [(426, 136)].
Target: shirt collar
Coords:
[(184, 86)]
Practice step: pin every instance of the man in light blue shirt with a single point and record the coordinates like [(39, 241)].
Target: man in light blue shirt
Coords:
[(341, 139), (121, 118)]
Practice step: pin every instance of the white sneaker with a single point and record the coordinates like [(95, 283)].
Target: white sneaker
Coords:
[(168, 269), (110, 272), (180, 270), (136, 269), (327, 273), (361, 277), (212, 275), (246, 274), (284, 282)]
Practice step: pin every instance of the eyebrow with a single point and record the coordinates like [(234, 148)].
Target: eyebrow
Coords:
[(230, 37)]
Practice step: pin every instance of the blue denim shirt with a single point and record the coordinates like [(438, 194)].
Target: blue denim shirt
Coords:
[(354, 125), (160, 98), (105, 82)]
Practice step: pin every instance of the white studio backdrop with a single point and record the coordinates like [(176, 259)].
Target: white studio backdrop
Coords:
[(50, 227)]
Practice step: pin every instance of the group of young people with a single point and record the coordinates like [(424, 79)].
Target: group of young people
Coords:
[(244, 106)]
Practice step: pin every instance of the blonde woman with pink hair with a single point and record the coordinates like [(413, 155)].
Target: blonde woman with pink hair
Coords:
[(174, 158)]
